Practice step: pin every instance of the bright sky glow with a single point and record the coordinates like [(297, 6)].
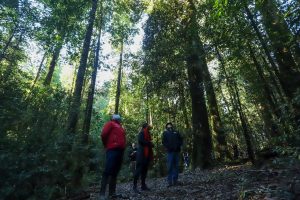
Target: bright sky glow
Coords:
[(67, 69)]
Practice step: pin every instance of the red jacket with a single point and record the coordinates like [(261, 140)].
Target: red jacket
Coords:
[(113, 135)]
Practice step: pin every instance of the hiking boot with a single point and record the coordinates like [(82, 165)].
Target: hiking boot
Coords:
[(135, 190), (177, 183), (116, 196), (102, 197), (170, 185), (145, 188)]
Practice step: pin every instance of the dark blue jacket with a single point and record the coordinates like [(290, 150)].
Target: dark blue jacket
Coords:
[(172, 141)]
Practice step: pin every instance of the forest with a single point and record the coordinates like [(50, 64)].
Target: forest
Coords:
[(226, 73)]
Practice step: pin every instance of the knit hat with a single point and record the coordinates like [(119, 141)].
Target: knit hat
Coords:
[(116, 117)]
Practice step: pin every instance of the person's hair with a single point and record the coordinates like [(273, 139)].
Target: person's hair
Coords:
[(145, 125), (169, 123)]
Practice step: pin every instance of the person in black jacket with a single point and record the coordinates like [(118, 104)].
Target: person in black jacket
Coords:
[(172, 141), (144, 157), (132, 158)]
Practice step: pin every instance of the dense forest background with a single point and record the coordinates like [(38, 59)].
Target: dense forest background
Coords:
[(226, 73)]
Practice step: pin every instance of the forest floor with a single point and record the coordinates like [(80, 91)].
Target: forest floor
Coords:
[(275, 180)]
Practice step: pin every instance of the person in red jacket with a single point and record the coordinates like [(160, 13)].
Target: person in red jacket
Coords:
[(144, 157), (114, 140)]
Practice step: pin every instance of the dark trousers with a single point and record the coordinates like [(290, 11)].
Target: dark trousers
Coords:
[(141, 171), (173, 167), (113, 162)]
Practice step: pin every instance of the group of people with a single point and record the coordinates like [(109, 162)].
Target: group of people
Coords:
[(114, 140)]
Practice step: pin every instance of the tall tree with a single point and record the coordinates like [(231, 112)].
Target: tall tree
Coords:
[(90, 98), (202, 147), (280, 37), (119, 78), (76, 99)]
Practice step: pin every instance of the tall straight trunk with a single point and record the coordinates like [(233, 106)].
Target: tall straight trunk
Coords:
[(268, 103), (183, 106), (267, 90), (52, 65), (90, 99), (274, 80), (118, 92), (262, 41), (215, 115), (233, 119), (7, 44), (147, 117), (73, 81), (280, 37), (76, 99), (202, 141), (267, 52), (246, 131), (232, 88), (39, 70)]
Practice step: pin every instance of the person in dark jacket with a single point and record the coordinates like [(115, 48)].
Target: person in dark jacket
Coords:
[(132, 158), (172, 141), (144, 157), (114, 140)]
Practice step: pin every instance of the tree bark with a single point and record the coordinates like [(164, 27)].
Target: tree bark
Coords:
[(90, 99), (232, 87), (76, 99), (217, 123), (52, 65), (118, 92), (267, 90), (39, 70), (202, 141), (2, 55), (183, 106), (281, 37)]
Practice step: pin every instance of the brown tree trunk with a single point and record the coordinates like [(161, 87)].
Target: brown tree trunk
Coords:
[(202, 141), (76, 101), (267, 90), (90, 99), (7, 44), (217, 123), (52, 65), (232, 88), (39, 70), (280, 37), (118, 92), (183, 106)]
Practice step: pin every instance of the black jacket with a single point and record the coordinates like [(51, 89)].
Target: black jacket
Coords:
[(132, 154), (172, 141), (141, 144)]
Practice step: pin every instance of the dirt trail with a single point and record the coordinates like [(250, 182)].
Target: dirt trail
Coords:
[(229, 182)]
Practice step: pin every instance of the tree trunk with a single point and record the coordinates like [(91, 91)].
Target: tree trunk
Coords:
[(2, 55), (215, 115), (118, 92), (280, 37), (202, 141), (39, 70), (274, 80), (183, 106), (237, 104), (266, 50), (90, 99), (52, 65), (76, 101), (267, 90), (147, 117)]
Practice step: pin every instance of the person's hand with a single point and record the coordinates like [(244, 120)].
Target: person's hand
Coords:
[(151, 144)]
